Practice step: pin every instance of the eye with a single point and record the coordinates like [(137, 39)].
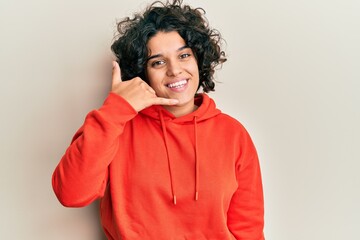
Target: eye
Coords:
[(157, 63), (185, 55)]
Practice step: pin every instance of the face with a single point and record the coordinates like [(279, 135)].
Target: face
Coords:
[(172, 69)]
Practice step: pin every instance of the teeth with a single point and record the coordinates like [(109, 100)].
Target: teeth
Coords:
[(178, 84)]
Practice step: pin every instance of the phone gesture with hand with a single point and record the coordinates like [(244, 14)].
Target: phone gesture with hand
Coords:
[(136, 91)]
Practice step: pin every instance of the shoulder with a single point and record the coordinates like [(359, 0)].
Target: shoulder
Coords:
[(235, 129), (230, 122)]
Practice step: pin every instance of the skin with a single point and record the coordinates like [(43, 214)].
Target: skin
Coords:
[(172, 71), (170, 64)]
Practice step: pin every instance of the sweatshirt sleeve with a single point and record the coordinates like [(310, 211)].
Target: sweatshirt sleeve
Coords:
[(81, 175), (246, 211)]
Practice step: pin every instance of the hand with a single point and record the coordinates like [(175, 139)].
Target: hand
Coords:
[(136, 91)]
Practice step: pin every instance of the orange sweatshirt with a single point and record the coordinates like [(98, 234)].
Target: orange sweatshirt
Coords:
[(164, 178)]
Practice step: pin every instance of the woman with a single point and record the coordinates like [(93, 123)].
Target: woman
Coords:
[(165, 162)]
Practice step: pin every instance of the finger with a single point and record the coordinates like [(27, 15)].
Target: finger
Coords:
[(146, 87), (164, 101), (151, 90), (116, 73)]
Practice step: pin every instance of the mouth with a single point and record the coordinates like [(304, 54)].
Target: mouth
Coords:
[(178, 84)]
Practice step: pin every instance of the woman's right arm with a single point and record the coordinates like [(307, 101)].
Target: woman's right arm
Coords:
[(81, 175)]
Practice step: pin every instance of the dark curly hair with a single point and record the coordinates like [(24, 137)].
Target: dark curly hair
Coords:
[(131, 50)]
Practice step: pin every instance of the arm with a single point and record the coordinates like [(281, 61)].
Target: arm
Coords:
[(246, 211), (81, 175)]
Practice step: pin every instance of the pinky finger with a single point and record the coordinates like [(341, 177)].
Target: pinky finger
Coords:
[(164, 101)]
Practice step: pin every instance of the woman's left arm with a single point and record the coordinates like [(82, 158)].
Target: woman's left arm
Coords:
[(246, 210)]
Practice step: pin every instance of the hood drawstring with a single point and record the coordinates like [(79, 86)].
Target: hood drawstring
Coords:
[(196, 161), (172, 185), (168, 157)]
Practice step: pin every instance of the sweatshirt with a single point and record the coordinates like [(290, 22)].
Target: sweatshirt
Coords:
[(161, 177)]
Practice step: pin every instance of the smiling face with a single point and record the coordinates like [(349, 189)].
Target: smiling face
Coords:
[(172, 70)]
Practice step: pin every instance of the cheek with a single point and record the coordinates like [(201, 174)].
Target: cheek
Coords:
[(195, 73), (194, 67), (154, 78), (149, 76)]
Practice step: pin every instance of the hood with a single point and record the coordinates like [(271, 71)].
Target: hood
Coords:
[(206, 110)]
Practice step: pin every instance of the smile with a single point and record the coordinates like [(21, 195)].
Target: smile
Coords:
[(178, 84)]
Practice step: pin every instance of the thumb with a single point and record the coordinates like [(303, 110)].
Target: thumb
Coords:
[(116, 73)]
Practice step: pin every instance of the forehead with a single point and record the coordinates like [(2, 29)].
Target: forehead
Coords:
[(165, 42)]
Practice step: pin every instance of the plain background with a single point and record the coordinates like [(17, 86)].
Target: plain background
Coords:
[(292, 78)]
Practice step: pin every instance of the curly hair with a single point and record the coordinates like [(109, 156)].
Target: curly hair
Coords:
[(130, 47)]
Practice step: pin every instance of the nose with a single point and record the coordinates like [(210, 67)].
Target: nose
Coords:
[(173, 68)]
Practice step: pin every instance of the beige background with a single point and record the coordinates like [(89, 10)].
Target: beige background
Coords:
[(292, 79)]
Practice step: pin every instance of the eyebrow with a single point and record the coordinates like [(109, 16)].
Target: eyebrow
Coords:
[(159, 55)]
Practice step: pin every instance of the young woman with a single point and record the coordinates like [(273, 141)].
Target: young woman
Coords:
[(165, 162)]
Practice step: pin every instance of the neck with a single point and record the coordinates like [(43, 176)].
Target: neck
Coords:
[(179, 111)]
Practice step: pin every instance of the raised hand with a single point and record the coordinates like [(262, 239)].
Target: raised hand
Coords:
[(136, 91)]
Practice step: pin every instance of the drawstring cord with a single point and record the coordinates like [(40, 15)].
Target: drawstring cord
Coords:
[(163, 127), (168, 157), (196, 162)]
